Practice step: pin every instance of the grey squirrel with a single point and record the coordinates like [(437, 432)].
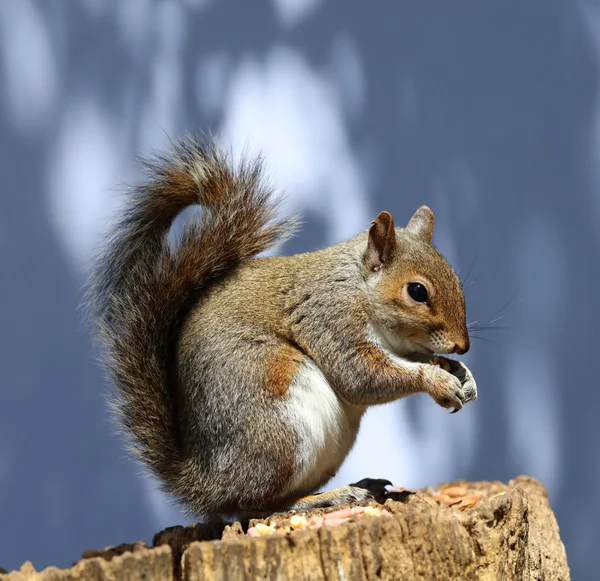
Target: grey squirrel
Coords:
[(242, 381)]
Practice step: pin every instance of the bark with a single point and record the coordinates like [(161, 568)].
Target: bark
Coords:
[(509, 534)]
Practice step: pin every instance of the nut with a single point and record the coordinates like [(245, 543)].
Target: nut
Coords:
[(441, 362)]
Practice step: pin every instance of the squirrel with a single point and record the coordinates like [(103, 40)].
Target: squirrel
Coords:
[(241, 381)]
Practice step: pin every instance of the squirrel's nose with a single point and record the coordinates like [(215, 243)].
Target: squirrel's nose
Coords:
[(461, 348)]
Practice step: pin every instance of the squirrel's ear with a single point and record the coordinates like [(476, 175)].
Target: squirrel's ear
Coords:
[(382, 241), (421, 224)]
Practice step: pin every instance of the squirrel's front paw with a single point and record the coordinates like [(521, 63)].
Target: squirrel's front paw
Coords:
[(464, 375), (445, 388)]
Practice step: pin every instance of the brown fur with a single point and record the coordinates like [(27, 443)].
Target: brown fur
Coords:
[(281, 367)]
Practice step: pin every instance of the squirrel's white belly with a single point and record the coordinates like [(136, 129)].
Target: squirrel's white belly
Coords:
[(325, 428)]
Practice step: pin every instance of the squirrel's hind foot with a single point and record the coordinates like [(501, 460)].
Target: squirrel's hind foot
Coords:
[(366, 490)]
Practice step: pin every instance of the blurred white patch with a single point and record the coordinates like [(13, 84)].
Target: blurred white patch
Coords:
[(446, 442), (287, 111), (532, 390), (385, 448), (348, 74), (83, 171), (212, 75), (291, 12), (162, 109), (534, 431), (29, 67)]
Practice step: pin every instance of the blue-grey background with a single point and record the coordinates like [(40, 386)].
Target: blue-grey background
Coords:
[(488, 112)]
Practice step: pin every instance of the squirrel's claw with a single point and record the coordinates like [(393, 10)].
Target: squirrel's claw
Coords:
[(376, 486)]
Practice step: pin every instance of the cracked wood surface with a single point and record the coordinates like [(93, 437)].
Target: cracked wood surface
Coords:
[(510, 534)]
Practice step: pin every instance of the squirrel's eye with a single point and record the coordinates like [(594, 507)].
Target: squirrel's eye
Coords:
[(417, 292)]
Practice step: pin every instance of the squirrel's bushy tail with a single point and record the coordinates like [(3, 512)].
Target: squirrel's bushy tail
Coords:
[(141, 287)]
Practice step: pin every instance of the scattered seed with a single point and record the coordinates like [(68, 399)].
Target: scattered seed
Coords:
[(455, 496), (263, 530), (344, 513), (455, 491), (298, 522)]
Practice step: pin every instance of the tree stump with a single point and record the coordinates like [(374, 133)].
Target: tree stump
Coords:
[(460, 531)]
